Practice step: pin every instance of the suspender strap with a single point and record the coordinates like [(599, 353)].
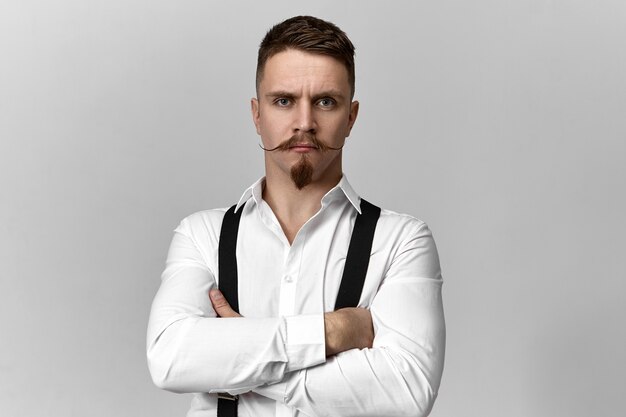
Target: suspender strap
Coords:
[(227, 257), (227, 269), (227, 405), (350, 288), (358, 257)]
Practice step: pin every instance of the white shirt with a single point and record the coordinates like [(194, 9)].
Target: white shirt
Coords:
[(274, 356)]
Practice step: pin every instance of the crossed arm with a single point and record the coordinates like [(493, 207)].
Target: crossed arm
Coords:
[(397, 372)]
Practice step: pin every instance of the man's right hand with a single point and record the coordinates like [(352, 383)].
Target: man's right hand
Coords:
[(348, 328), (220, 305)]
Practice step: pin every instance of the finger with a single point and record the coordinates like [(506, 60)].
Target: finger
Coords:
[(220, 305)]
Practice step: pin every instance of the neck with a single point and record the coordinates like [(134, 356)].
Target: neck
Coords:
[(291, 206)]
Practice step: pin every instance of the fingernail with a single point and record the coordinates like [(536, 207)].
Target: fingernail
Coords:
[(216, 294)]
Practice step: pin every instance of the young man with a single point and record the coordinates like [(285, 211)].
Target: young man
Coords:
[(285, 352)]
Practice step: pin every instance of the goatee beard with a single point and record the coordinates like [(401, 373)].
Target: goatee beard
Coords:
[(302, 173)]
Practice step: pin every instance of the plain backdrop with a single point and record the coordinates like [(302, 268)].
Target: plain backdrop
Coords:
[(500, 123)]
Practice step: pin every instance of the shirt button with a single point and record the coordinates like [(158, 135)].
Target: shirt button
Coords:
[(288, 278)]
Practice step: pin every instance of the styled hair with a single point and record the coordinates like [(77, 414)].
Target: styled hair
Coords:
[(308, 34)]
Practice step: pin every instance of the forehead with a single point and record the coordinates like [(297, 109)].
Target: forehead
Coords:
[(294, 69)]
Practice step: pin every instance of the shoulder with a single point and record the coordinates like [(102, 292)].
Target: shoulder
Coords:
[(409, 244), (203, 225), (400, 226)]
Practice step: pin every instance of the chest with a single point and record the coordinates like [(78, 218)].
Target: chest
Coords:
[(279, 279)]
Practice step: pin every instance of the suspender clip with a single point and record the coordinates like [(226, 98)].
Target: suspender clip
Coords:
[(227, 396)]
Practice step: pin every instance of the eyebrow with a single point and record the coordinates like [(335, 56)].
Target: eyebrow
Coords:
[(281, 94), (328, 93)]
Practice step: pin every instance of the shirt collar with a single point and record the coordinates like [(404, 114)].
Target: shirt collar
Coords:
[(256, 192)]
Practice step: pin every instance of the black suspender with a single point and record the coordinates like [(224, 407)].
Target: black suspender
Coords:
[(227, 257), (350, 288), (358, 257), (227, 270)]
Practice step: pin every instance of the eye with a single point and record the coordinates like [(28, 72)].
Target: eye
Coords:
[(326, 102), (282, 102)]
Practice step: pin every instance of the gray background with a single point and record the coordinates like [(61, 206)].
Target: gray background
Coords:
[(500, 123)]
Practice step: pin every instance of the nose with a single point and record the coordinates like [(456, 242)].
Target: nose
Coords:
[(305, 120)]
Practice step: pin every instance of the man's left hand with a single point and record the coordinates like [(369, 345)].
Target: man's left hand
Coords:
[(220, 305)]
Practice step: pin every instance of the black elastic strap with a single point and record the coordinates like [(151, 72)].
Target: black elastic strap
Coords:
[(358, 257), (227, 257), (227, 270), (227, 407)]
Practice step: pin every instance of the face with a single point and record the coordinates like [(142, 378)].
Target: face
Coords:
[(306, 97)]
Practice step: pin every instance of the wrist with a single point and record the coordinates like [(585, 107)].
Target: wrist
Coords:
[(330, 334)]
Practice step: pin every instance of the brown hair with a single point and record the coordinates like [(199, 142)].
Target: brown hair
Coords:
[(308, 34)]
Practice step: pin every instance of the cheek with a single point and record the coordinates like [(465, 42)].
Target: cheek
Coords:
[(272, 124), (270, 134), (338, 127)]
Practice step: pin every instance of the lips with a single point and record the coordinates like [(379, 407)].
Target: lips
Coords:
[(303, 145)]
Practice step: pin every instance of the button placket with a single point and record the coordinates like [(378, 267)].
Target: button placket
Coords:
[(289, 282), (287, 288)]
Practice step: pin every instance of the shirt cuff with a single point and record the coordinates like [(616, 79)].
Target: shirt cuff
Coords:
[(306, 344)]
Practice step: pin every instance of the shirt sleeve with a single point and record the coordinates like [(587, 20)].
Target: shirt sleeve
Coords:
[(189, 349), (401, 373)]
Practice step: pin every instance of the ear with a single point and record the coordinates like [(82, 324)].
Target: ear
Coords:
[(254, 108), (354, 111)]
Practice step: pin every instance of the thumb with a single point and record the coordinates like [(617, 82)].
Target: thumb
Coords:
[(220, 305)]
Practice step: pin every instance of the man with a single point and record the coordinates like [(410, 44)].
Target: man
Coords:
[(286, 352)]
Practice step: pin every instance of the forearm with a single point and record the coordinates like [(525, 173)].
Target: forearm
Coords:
[(371, 382), (196, 354), (346, 329)]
